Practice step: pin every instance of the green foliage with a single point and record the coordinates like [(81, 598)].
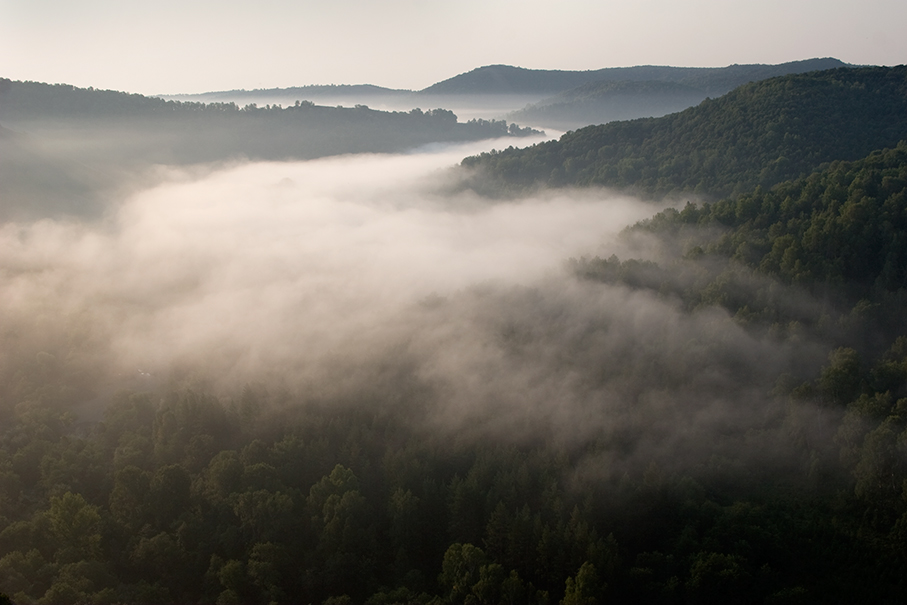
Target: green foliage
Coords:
[(75, 526), (835, 235), (583, 589), (648, 538), (718, 578), (841, 225), (841, 380), (757, 135), (461, 570)]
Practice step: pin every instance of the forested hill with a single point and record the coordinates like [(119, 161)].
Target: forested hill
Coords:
[(757, 135), (37, 100), (845, 226), (506, 79), (77, 142), (607, 101), (838, 233), (208, 131)]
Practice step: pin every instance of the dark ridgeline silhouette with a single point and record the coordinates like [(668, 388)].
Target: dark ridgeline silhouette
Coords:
[(713, 81)]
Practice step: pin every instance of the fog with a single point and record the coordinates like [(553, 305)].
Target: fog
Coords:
[(360, 279), (318, 250)]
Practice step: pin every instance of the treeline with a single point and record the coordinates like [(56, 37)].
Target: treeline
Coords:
[(757, 135), (34, 100)]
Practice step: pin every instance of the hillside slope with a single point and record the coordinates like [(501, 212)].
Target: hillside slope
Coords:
[(757, 135), (608, 101)]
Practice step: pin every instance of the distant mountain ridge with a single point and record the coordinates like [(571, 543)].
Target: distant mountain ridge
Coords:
[(510, 80), (505, 79), (312, 91)]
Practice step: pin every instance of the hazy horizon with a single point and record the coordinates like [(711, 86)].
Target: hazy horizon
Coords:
[(170, 48)]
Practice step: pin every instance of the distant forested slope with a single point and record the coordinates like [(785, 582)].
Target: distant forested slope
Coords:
[(607, 101), (64, 144), (757, 135), (506, 79), (192, 132)]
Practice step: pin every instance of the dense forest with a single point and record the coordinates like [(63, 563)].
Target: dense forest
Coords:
[(720, 417), (757, 135), (182, 494)]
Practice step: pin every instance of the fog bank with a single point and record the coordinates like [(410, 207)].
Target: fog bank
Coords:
[(355, 279), (270, 264)]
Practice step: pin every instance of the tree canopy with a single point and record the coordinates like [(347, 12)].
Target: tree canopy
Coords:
[(757, 135)]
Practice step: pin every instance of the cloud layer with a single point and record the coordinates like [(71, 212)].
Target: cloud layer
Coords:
[(353, 279), (278, 262)]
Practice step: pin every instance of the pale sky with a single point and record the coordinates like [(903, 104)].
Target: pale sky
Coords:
[(169, 46)]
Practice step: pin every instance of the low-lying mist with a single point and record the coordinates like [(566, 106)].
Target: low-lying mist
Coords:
[(355, 279)]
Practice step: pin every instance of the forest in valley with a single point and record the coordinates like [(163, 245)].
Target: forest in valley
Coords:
[(716, 413)]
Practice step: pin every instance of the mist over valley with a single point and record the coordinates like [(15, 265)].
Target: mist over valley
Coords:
[(278, 346)]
